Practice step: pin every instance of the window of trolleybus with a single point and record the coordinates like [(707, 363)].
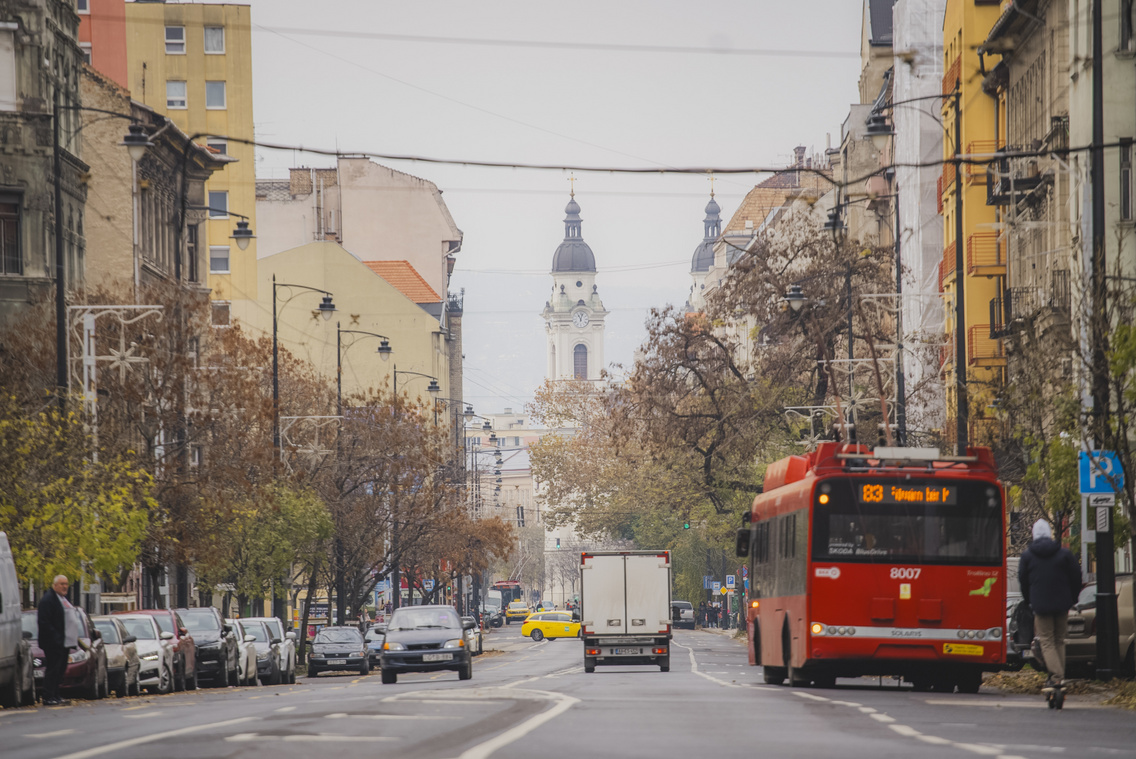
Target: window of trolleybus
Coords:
[(907, 521)]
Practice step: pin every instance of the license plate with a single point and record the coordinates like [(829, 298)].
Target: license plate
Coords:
[(625, 652), (336, 661), (962, 649), (437, 657)]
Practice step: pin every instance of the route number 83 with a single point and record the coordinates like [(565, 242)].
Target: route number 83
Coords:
[(905, 573)]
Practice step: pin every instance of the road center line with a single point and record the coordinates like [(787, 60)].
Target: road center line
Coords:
[(486, 749)]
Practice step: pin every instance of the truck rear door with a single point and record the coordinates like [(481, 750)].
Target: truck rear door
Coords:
[(648, 594), (602, 589)]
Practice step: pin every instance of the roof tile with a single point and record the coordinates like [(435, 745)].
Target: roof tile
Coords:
[(406, 279)]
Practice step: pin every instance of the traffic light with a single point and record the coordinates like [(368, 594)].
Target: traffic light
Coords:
[(686, 525), (558, 543)]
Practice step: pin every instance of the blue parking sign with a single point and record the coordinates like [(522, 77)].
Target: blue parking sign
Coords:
[(1101, 473)]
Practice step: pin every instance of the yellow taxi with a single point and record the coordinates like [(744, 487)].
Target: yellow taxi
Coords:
[(516, 610), (550, 624)]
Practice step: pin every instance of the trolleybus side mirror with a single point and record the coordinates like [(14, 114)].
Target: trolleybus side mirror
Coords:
[(741, 544)]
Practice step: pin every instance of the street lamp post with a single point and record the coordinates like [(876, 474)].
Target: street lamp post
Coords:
[(326, 308), (396, 579), (384, 350)]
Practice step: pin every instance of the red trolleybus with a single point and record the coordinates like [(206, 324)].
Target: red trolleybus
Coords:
[(885, 562), (510, 591)]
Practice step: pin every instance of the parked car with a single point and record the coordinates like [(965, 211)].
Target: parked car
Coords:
[(246, 653), (550, 624), (17, 670), (86, 672), (425, 639), (185, 648), (155, 651), (374, 640), (516, 610), (215, 645), (473, 638), (287, 646), (1081, 638), (682, 614), (123, 664), (339, 648), (267, 650)]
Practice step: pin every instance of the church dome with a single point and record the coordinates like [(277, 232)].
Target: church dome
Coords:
[(573, 254), (703, 256)]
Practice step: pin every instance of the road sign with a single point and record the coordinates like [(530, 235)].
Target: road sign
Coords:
[(725, 591), (1101, 473), (745, 571), (428, 585), (730, 582), (707, 582), (1096, 501), (716, 588), (1103, 520)]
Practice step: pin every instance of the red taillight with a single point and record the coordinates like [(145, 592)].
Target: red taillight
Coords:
[(592, 652), (659, 650)]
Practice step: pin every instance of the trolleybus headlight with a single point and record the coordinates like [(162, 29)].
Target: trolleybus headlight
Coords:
[(841, 630), (996, 633), (962, 633), (823, 498), (981, 634), (970, 633), (851, 630), (818, 628)]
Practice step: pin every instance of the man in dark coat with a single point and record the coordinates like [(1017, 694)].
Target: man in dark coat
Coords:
[(53, 639), (1051, 580)]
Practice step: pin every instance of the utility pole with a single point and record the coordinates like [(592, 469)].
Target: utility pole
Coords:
[(1108, 654), (962, 403)]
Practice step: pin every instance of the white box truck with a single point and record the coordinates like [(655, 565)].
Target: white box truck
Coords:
[(625, 608), (17, 675)]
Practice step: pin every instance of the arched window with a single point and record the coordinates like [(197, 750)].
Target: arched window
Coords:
[(580, 361)]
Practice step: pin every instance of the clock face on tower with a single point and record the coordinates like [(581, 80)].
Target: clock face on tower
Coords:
[(580, 319)]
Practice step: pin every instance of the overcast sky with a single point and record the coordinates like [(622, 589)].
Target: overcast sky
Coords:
[(611, 86)]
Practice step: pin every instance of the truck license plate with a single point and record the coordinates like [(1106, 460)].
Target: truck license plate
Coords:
[(437, 657), (625, 652), (336, 661)]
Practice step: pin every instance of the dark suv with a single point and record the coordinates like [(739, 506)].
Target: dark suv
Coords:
[(216, 645)]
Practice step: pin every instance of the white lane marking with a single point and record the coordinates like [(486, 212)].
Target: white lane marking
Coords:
[(320, 737), (143, 715), (286, 709), (711, 678), (999, 704), (910, 732), (486, 749), (119, 745), (520, 682), (49, 735)]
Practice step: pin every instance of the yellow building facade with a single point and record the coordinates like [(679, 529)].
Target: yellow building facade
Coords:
[(364, 301), (192, 62), (966, 24)]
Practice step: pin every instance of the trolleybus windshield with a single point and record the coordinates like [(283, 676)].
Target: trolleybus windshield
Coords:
[(911, 522)]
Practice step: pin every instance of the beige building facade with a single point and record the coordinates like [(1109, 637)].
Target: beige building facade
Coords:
[(377, 213)]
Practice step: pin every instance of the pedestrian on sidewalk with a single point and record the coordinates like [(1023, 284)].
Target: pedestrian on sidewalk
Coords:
[(1051, 580), (702, 614), (58, 632)]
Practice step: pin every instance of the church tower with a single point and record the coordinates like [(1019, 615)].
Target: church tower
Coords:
[(574, 315), (703, 260)]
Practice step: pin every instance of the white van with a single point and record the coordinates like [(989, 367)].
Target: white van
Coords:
[(17, 681)]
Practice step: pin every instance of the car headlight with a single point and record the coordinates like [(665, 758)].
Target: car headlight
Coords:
[(209, 646), (393, 647), (262, 656), (78, 656), (455, 643), (149, 657)]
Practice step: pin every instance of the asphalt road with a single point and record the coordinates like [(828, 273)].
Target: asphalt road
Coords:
[(533, 700)]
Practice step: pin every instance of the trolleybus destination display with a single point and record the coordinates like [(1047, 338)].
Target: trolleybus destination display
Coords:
[(875, 492)]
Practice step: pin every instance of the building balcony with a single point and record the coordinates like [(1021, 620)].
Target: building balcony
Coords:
[(984, 255), (979, 173), (947, 178), (953, 76), (947, 266), (1011, 179), (983, 350)]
